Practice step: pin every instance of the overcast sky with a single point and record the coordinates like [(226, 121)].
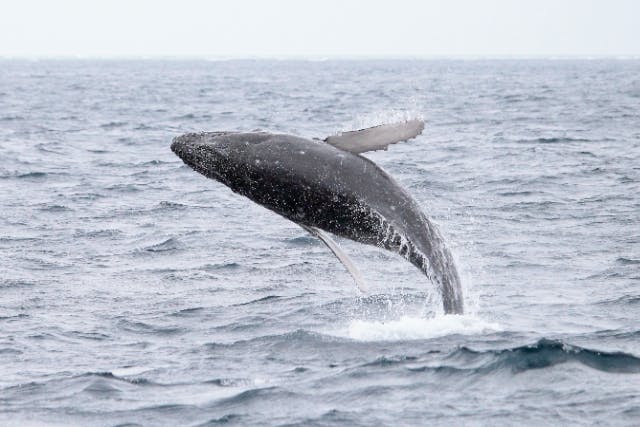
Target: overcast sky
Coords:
[(319, 28)]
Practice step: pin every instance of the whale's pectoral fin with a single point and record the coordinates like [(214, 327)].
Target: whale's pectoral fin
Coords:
[(346, 261), (376, 138)]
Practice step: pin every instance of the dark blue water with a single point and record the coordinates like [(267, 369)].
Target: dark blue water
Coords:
[(133, 291)]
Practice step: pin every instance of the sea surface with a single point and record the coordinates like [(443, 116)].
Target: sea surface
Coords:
[(134, 291)]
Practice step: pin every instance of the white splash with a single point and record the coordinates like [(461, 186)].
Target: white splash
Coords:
[(417, 328), (412, 111)]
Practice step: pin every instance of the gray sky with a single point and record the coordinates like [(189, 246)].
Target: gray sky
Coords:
[(315, 28)]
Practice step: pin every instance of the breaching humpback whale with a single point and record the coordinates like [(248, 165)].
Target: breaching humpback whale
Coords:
[(327, 185)]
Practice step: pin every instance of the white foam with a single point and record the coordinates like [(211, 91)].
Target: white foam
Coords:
[(415, 328), (130, 371)]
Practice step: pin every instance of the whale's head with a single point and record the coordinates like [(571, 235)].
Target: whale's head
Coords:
[(207, 152), (202, 152), (224, 156)]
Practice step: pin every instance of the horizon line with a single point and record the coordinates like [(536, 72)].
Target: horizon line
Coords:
[(320, 57)]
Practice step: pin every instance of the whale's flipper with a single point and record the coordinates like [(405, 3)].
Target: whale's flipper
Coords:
[(377, 137), (351, 267)]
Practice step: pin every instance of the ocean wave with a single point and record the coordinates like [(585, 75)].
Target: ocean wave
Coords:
[(154, 162), (627, 261), (25, 175), (624, 300), (221, 266), (93, 336), (391, 361), (16, 283), (65, 386), (118, 378), (110, 233), (553, 140), (247, 397), (166, 205), (112, 125), (169, 245), (125, 188), (225, 419), (11, 118), (44, 207), (14, 316), (619, 335), (230, 382), (336, 417), (547, 353), (143, 328), (187, 312), (85, 196), (269, 298), (296, 339)]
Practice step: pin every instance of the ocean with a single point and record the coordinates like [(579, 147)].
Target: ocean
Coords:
[(135, 292)]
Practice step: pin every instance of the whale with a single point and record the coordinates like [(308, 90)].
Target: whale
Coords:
[(327, 186)]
